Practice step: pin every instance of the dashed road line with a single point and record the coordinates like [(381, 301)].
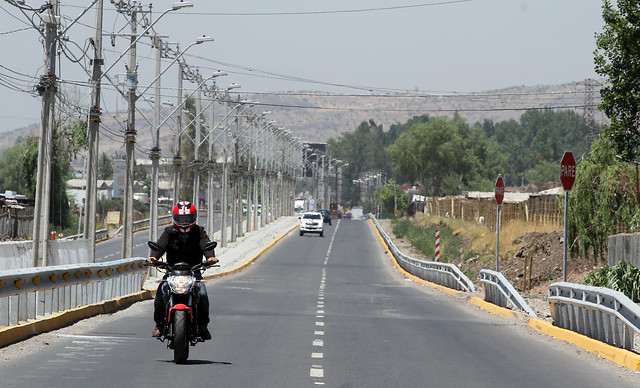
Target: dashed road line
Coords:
[(316, 372)]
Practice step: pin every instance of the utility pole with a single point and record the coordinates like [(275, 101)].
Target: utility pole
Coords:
[(89, 231), (225, 181), (130, 139), (47, 88), (211, 164), (155, 153), (177, 157), (197, 163)]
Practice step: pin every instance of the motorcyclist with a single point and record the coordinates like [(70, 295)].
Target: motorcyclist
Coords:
[(183, 242)]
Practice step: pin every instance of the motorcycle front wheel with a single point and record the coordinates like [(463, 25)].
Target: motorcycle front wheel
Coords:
[(180, 337)]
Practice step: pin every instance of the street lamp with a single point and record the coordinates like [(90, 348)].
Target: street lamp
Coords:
[(174, 7)]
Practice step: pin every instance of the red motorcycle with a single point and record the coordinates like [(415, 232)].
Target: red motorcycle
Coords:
[(181, 293)]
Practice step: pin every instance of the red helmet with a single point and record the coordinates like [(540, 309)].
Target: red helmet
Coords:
[(184, 216)]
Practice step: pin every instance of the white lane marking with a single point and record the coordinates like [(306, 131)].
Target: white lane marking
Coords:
[(102, 337), (315, 372)]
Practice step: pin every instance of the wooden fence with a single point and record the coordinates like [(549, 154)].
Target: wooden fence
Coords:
[(542, 210), (16, 221)]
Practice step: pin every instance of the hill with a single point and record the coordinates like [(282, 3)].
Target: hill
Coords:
[(316, 117)]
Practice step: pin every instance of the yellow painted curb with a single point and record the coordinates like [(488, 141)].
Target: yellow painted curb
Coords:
[(444, 289), (23, 331), (250, 261), (494, 309), (619, 356)]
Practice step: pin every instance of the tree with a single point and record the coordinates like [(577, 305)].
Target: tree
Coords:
[(431, 152), (105, 167), (617, 58), (12, 173), (603, 197), (392, 198)]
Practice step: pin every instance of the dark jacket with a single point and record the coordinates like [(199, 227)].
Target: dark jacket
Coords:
[(181, 248)]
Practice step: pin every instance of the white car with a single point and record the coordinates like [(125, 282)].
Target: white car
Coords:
[(312, 222)]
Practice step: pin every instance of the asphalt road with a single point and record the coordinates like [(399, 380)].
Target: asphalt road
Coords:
[(315, 311)]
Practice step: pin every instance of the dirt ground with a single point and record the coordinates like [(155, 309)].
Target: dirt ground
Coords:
[(545, 252)]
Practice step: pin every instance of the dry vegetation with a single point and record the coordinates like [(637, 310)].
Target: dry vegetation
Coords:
[(542, 245)]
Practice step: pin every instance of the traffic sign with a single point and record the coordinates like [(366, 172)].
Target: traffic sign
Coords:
[(568, 170), (499, 190)]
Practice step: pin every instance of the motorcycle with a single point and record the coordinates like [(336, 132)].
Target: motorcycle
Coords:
[(181, 291)]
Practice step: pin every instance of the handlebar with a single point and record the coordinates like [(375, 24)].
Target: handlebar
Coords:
[(166, 266)]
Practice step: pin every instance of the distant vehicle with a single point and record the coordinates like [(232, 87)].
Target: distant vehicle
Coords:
[(356, 213), (326, 216), (311, 222), (299, 206)]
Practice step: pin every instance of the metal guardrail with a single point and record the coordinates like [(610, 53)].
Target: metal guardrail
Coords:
[(102, 234), (444, 274), (499, 291), (33, 293), (597, 312)]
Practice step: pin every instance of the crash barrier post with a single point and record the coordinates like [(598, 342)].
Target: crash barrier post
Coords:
[(444, 274), (34, 293), (499, 291), (597, 312)]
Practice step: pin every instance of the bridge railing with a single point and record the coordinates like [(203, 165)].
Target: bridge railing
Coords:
[(444, 274), (34, 293), (597, 312), (499, 291)]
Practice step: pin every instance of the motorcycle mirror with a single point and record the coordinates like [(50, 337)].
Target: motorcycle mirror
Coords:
[(210, 245), (153, 245)]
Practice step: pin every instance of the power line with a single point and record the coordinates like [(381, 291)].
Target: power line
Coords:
[(329, 12)]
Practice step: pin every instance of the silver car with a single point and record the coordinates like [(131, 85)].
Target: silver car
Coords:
[(311, 222)]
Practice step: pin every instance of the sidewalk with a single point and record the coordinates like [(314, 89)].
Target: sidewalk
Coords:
[(239, 254)]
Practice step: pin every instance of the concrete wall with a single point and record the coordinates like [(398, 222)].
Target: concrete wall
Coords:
[(17, 255), (625, 246)]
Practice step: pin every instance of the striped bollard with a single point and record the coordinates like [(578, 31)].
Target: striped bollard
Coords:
[(437, 245)]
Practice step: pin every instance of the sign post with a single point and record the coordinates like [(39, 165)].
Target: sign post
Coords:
[(499, 192), (567, 177)]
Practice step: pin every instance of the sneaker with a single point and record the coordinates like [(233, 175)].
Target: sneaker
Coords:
[(204, 332), (156, 333)]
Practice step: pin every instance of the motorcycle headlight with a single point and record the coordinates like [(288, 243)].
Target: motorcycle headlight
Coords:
[(180, 284)]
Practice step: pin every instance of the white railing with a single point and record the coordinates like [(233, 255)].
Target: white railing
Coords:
[(34, 293), (597, 312), (499, 291), (444, 274)]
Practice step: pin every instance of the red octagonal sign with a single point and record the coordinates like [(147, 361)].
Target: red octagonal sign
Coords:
[(568, 171), (499, 190)]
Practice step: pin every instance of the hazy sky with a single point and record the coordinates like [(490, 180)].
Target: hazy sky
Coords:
[(345, 47)]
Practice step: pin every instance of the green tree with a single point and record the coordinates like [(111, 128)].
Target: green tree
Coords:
[(539, 136), (392, 198), (364, 151), (431, 152), (105, 167), (12, 169), (617, 58), (67, 142), (603, 197)]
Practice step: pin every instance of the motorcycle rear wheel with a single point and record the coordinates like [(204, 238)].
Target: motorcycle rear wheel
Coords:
[(180, 337)]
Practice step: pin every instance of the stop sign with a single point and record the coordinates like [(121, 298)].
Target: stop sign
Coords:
[(499, 190), (568, 170)]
